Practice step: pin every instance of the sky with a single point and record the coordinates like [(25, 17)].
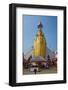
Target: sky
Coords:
[(30, 29)]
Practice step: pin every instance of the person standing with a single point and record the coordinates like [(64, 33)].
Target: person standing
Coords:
[(35, 71)]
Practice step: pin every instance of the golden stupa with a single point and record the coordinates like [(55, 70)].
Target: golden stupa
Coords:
[(39, 48)]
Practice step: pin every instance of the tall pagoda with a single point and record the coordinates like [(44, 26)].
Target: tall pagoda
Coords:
[(39, 48)]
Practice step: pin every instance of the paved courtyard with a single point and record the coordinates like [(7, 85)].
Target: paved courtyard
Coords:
[(51, 70)]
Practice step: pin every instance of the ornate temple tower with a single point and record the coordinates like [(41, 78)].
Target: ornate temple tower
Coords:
[(39, 48)]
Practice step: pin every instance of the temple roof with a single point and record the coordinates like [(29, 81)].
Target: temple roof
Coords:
[(39, 58)]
